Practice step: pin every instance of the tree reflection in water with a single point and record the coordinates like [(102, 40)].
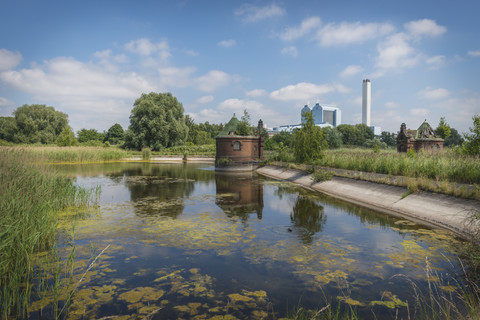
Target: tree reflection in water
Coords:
[(308, 217)]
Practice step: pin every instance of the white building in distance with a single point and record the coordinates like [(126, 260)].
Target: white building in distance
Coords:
[(323, 116)]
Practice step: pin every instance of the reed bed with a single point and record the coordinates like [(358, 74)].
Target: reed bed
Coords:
[(69, 154), (31, 196), (445, 166), (201, 150)]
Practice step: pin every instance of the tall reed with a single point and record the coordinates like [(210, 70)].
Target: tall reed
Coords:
[(31, 196)]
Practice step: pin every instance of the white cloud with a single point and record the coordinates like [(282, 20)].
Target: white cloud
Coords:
[(251, 13), (305, 27), (204, 100), (430, 93), (351, 71), (238, 105), (419, 112), (227, 43), (4, 102), (192, 53), (144, 47), (212, 80), (435, 62), (425, 27), (171, 77), (395, 53), (474, 53), (9, 59), (347, 33), (256, 93), (305, 91), (391, 105), (290, 51)]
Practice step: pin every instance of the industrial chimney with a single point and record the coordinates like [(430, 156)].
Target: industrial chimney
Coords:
[(366, 101)]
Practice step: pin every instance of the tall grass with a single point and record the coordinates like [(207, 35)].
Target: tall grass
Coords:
[(31, 196), (205, 150), (69, 154), (446, 166)]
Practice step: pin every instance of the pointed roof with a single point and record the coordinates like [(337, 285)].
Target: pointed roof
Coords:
[(230, 128), (425, 131)]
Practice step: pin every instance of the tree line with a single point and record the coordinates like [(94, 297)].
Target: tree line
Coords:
[(157, 121)]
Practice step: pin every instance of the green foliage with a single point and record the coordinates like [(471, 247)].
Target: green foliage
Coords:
[(115, 134), (334, 137), (471, 146), (280, 140), (156, 122), (390, 139), (223, 161), (38, 124), (322, 175), (455, 139), (146, 154), (85, 135), (308, 141), (443, 129), (244, 128), (31, 197), (8, 127), (375, 143), (66, 138), (202, 133), (355, 135)]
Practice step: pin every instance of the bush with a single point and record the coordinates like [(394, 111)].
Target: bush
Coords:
[(322, 175), (223, 161), (146, 153)]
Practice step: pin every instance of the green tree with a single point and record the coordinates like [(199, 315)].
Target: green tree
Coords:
[(334, 137), (364, 133), (66, 138), (156, 122), (388, 138), (455, 139), (471, 145), (244, 128), (85, 135), (443, 129), (349, 134), (38, 123), (192, 129), (8, 127), (308, 141), (115, 134)]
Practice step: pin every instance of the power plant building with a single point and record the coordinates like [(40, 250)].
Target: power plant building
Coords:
[(367, 106), (323, 116)]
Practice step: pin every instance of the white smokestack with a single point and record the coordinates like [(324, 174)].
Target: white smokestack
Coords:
[(366, 101)]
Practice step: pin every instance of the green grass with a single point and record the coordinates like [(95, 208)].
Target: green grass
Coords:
[(200, 150), (31, 198)]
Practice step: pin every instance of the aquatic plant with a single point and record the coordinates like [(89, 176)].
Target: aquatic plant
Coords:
[(31, 197)]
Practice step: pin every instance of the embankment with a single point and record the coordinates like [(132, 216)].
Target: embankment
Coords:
[(431, 209)]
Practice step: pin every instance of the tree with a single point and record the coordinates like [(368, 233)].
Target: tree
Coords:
[(389, 138), (156, 122), (85, 135), (349, 134), (192, 129), (115, 134), (308, 141), (443, 129), (8, 127), (471, 145), (38, 123), (455, 139), (334, 137), (66, 138), (244, 128)]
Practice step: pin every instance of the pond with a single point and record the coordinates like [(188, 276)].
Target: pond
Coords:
[(170, 241)]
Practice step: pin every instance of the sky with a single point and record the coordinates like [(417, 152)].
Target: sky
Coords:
[(93, 59)]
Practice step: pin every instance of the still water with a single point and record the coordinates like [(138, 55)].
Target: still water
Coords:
[(171, 241)]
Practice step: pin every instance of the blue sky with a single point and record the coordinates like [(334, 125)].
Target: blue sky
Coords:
[(92, 59)]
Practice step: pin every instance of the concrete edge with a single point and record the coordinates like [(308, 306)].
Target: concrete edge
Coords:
[(426, 208)]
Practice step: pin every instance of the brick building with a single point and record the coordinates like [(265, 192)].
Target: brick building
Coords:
[(236, 151), (422, 138)]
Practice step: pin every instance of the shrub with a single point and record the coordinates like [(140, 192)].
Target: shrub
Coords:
[(322, 175), (146, 153)]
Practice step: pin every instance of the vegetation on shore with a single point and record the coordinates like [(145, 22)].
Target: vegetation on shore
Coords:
[(32, 196)]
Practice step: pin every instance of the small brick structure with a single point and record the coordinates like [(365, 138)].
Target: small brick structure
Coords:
[(421, 139), (236, 152)]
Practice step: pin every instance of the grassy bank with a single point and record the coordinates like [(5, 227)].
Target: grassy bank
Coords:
[(31, 198), (195, 150), (72, 154)]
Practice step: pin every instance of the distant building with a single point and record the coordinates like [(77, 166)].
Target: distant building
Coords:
[(422, 138), (323, 116), (235, 152)]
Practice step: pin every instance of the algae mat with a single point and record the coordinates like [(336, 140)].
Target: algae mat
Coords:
[(175, 241)]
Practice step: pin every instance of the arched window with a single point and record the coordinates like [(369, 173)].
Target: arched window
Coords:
[(237, 146)]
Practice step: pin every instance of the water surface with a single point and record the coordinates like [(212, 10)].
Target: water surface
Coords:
[(183, 241)]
